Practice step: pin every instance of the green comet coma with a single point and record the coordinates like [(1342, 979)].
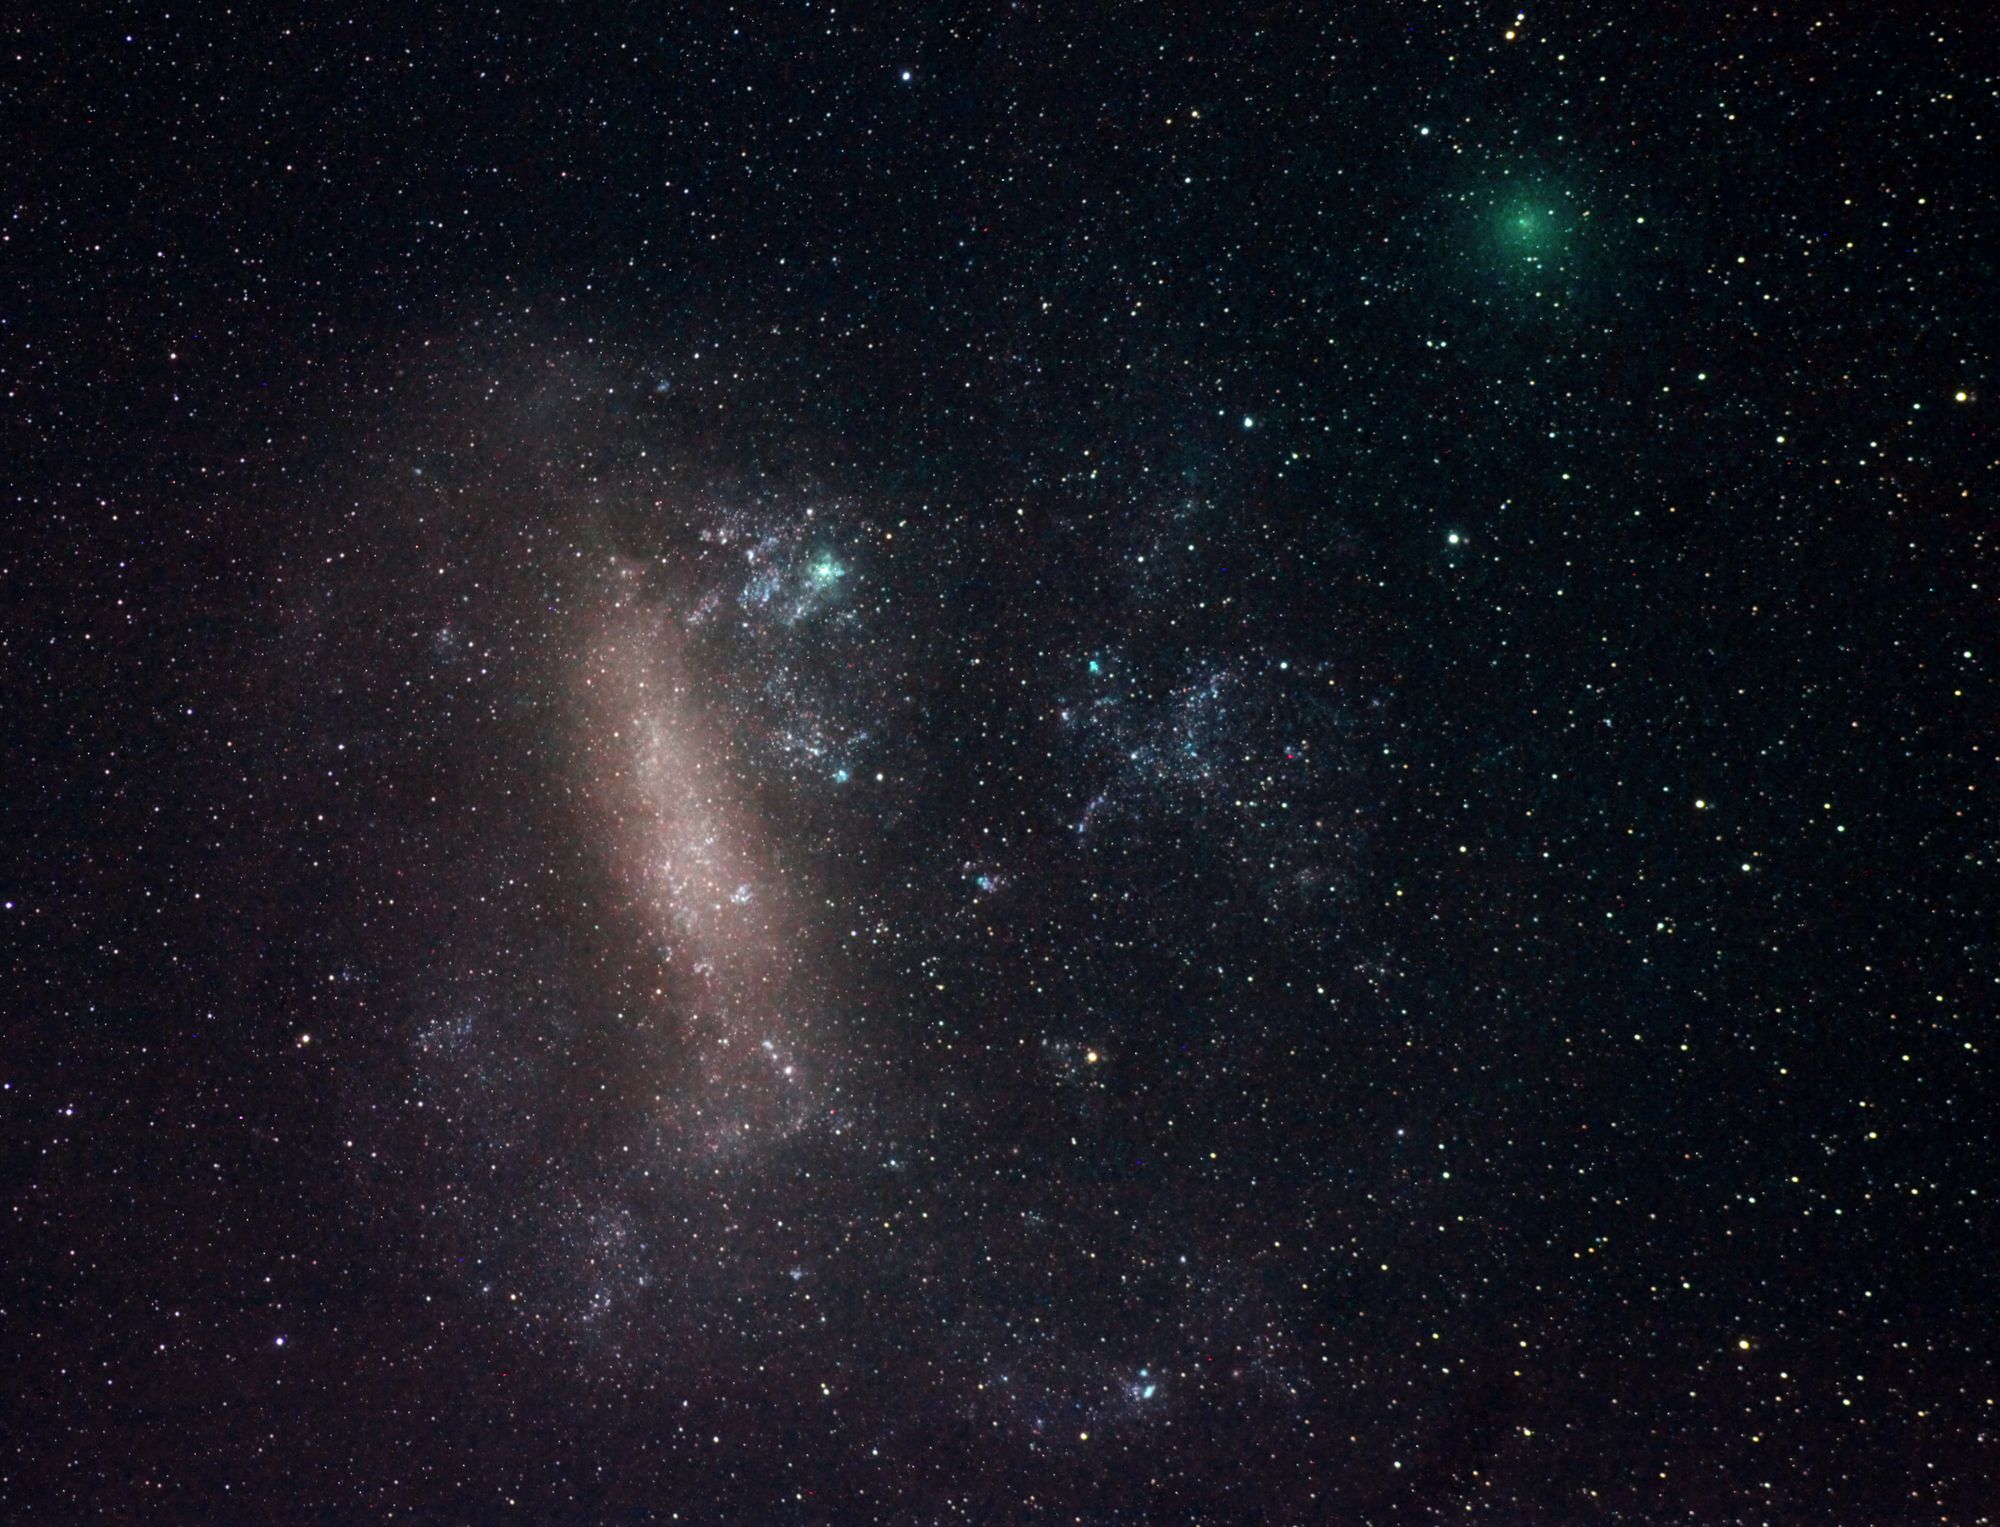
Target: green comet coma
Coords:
[(1529, 231)]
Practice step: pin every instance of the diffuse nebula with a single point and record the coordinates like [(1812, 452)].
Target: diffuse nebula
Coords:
[(690, 856)]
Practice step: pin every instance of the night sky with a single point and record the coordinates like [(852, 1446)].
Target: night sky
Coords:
[(1078, 764)]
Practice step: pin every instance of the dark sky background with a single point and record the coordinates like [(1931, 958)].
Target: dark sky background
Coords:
[(1095, 764)]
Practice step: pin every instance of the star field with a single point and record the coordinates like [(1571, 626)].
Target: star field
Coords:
[(776, 764)]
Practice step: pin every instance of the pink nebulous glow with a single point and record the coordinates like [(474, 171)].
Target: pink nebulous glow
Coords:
[(684, 841)]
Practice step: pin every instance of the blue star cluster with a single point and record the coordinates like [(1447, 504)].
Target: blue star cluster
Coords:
[(785, 764)]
